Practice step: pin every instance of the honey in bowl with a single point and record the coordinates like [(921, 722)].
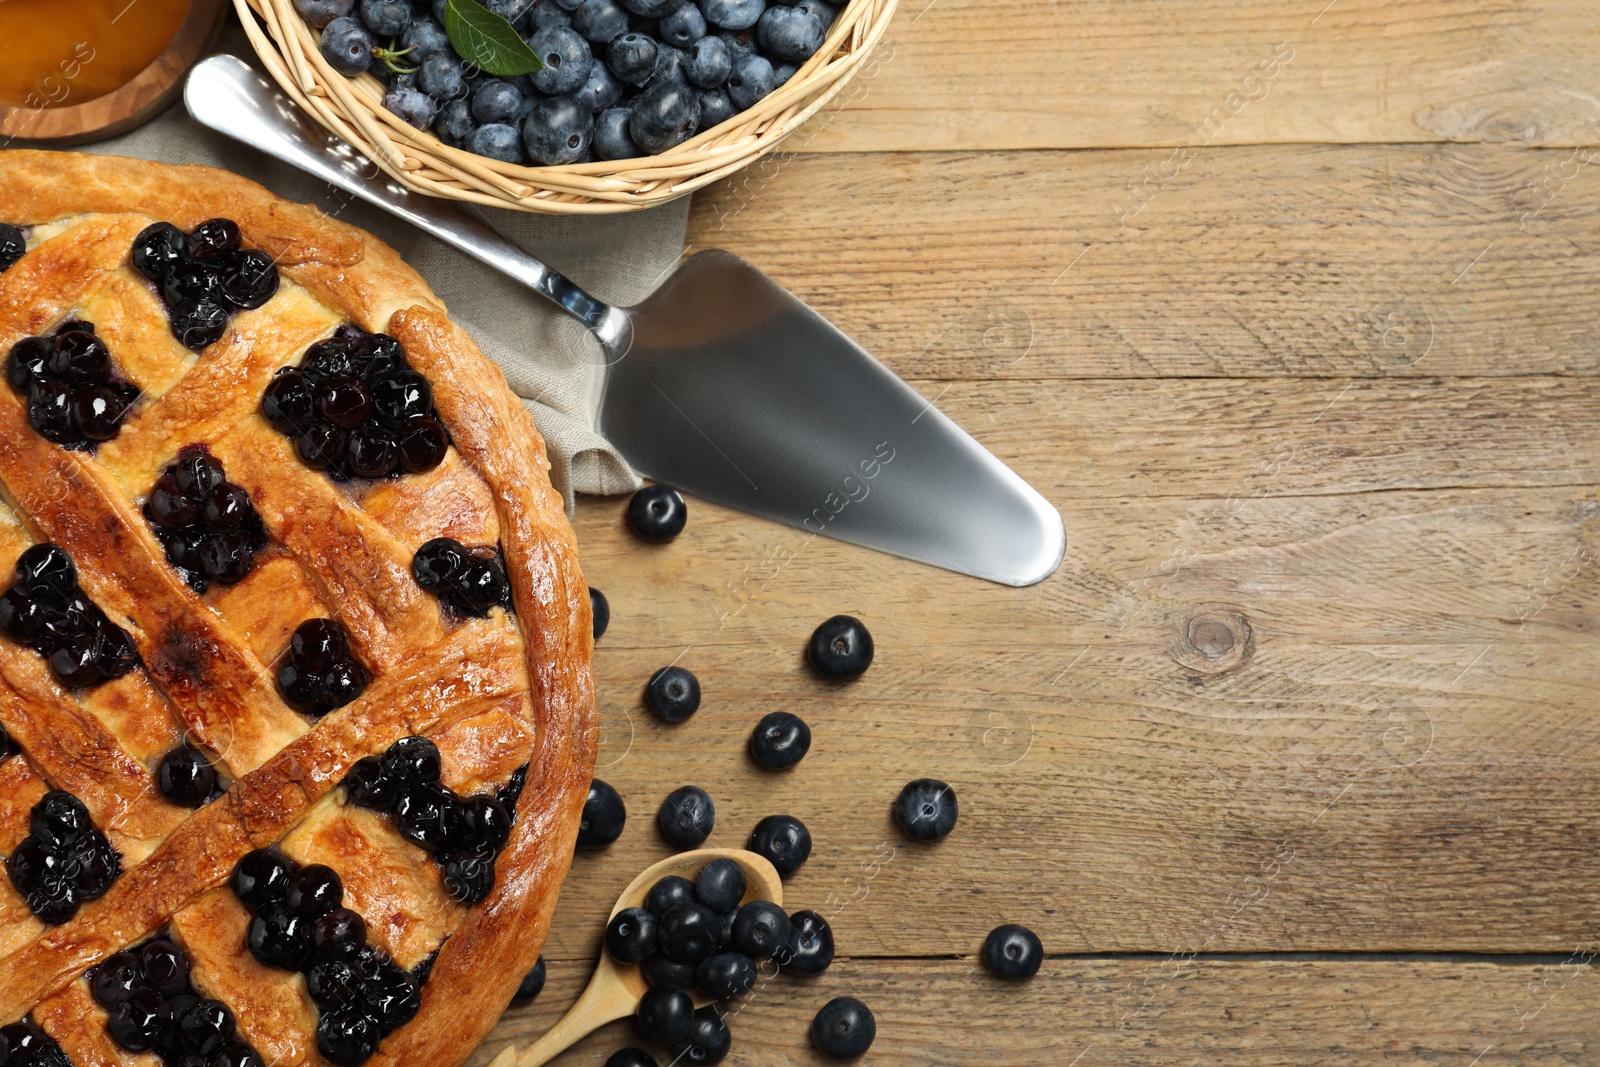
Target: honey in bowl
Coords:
[(60, 53)]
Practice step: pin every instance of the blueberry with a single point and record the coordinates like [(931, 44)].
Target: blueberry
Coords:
[(314, 891), (604, 816), (289, 403), (840, 648), (423, 443), (683, 26), (347, 1036), (206, 1025), (338, 935), (611, 137), (186, 777), (391, 995), (1013, 952), (707, 1041), (824, 12), (347, 46), (602, 90), (386, 18), (138, 1023), (632, 57), (558, 130), (600, 611), (686, 817), (720, 885), (740, 42), (97, 412), (926, 809), (664, 1014), (631, 935), (808, 951), (566, 58), (631, 1057), (672, 65), (278, 937), (198, 324), (673, 694), (689, 932), (667, 894), (455, 123), (497, 101), (28, 363), (750, 80), (248, 279), (532, 984), (497, 141), (761, 930), (190, 281), (661, 970), (439, 565), (317, 644), (657, 513), (548, 13), (600, 21), (843, 1029), (412, 761), (782, 73), (59, 820), (441, 77), (413, 106), (343, 683), (709, 66), (784, 841), (651, 9), (321, 12), (790, 33), (261, 876), (513, 11), (424, 38), (12, 245), (468, 876), (733, 14), (779, 741)]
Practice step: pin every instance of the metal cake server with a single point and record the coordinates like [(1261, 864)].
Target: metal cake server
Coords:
[(721, 382)]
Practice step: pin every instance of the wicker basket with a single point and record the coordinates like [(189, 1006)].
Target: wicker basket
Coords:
[(353, 109)]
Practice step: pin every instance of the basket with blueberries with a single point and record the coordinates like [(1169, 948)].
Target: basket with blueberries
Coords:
[(582, 84)]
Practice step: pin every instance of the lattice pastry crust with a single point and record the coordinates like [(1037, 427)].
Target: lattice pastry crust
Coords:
[(494, 692)]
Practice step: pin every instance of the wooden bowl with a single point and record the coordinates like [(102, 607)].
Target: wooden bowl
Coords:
[(121, 109)]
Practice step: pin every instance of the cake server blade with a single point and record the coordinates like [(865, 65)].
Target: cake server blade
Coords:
[(721, 382)]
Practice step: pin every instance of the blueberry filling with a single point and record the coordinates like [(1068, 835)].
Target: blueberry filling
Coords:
[(356, 409), (463, 834), (151, 1007), (298, 923), (13, 243), (75, 397), (207, 525), (24, 1044), (185, 776), (64, 861), (45, 610), (469, 581), (203, 277), (321, 673)]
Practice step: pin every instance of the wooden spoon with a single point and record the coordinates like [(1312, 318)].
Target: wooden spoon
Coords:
[(615, 989)]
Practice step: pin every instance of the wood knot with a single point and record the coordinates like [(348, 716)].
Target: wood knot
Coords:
[(1214, 642)]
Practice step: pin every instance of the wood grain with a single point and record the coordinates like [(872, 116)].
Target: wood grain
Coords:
[(1281, 260), (1161, 1010), (998, 74)]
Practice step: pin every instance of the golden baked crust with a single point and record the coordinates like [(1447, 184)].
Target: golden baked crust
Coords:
[(494, 693)]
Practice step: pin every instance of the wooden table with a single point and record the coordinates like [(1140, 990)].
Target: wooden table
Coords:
[(1290, 308)]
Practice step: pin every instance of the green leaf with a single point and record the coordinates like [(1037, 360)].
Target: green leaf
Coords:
[(487, 40)]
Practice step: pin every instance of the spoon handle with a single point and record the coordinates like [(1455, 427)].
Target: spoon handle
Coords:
[(603, 1002)]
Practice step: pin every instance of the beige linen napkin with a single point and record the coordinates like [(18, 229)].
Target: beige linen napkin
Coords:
[(551, 361)]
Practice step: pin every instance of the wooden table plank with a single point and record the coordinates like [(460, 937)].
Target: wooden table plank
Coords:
[(999, 74), (1284, 260), (1160, 1010)]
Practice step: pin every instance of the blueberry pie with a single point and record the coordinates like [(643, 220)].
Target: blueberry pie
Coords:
[(296, 715)]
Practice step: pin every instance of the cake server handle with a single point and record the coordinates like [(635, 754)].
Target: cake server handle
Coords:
[(226, 94)]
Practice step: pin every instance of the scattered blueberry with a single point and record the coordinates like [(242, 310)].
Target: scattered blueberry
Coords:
[(1013, 952), (784, 841), (840, 648), (809, 948), (664, 1013), (707, 1039), (780, 740), (662, 970), (532, 984), (687, 817), (604, 816), (843, 1029), (347, 45), (720, 885), (186, 777), (657, 513), (631, 1057), (631, 935), (761, 930), (673, 694), (926, 809), (600, 609)]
